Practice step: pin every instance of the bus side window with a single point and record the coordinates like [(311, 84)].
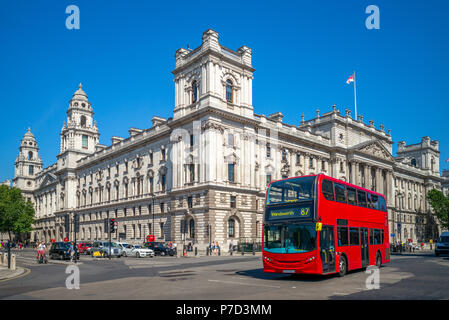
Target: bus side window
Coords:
[(340, 194), (327, 189), (375, 201), (382, 205), (361, 196), (342, 236), (354, 236), (351, 196), (377, 236), (368, 198), (371, 236)]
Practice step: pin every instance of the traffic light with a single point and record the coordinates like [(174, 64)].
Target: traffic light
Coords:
[(112, 225), (77, 223), (66, 223)]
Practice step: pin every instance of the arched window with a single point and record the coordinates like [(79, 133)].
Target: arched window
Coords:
[(229, 91), (413, 162), (30, 155), (194, 91), (83, 121), (231, 228), (192, 228)]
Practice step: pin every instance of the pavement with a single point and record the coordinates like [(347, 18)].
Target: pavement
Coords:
[(7, 274)]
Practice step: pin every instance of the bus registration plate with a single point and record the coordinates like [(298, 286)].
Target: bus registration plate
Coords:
[(288, 271)]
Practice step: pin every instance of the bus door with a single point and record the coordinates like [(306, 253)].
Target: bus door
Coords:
[(327, 248), (364, 246)]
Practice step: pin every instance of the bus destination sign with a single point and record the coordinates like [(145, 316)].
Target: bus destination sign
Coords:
[(290, 213)]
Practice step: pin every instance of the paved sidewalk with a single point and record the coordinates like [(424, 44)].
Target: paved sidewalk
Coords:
[(6, 273)]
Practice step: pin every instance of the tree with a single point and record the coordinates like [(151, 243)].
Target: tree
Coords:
[(440, 205), (16, 214)]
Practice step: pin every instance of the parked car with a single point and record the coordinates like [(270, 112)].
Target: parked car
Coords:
[(137, 251), (103, 249), (442, 245), (60, 250), (83, 247), (159, 248)]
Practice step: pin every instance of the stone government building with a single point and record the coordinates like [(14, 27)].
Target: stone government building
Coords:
[(210, 164)]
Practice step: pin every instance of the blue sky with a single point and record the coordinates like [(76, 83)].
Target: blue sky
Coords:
[(303, 52)]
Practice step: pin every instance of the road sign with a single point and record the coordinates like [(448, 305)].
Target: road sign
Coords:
[(393, 235)]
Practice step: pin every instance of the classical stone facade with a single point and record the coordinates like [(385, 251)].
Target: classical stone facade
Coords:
[(207, 168)]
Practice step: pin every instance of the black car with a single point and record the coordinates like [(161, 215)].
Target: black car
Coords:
[(159, 248), (60, 250)]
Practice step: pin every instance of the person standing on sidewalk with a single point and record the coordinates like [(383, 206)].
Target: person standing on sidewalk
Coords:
[(71, 251)]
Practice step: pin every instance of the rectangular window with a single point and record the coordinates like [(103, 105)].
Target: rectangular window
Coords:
[(84, 141), (327, 189), (230, 139), (377, 237), (343, 236), (151, 158), (361, 196), (340, 194), (163, 154), (268, 178), (383, 205), (351, 196), (191, 140), (373, 201), (161, 224), (231, 172), (354, 236), (163, 182), (31, 169), (190, 201), (233, 202), (162, 207), (268, 151)]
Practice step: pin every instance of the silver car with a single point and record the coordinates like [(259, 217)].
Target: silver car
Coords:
[(105, 250), (137, 251)]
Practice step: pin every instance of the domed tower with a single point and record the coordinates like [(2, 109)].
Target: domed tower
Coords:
[(27, 165), (80, 132)]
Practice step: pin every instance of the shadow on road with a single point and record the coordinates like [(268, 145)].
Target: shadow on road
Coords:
[(259, 274)]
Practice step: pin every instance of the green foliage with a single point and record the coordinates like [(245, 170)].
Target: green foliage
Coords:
[(440, 205), (16, 214)]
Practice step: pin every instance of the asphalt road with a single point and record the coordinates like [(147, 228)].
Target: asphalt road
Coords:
[(224, 278)]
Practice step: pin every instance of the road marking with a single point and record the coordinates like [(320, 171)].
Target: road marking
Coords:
[(19, 276), (245, 284)]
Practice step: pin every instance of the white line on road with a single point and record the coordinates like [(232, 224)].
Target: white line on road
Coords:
[(245, 284)]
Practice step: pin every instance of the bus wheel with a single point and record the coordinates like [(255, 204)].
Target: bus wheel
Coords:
[(378, 260), (342, 266)]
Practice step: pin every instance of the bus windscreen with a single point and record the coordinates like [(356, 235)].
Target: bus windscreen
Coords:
[(291, 190)]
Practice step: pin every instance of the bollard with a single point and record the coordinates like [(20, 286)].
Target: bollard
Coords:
[(196, 251), (207, 251), (254, 250), (230, 251), (9, 255), (1, 258), (219, 251), (13, 262), (243, 251)]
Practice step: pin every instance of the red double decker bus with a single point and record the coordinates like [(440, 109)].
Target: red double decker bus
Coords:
[(320, 225)]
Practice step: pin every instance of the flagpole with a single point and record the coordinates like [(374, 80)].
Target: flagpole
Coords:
[(355, 99)]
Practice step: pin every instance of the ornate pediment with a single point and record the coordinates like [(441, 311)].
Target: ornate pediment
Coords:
[(48, 179), (375, 149)]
